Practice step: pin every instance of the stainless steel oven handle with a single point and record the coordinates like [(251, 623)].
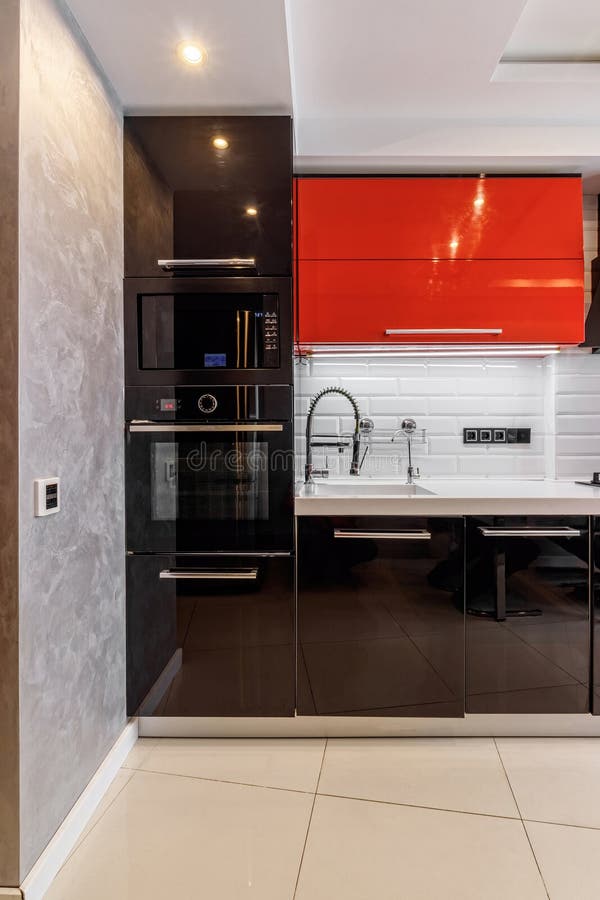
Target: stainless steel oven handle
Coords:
[(529, 532), (419, 534), (243, 574), (233, 263), (443, 330), (152, 427)]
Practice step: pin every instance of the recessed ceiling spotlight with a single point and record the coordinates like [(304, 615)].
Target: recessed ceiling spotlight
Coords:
[(220, 143), (191, 53), (251, 211)]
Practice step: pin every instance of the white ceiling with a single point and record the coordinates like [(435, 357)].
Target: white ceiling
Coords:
[(556, 30), (400, 85), (247, 69)]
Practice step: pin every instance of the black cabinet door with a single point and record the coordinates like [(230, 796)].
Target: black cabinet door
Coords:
[(528, 622), (210, 636), (380, 616), (595, 600), (187, 199)]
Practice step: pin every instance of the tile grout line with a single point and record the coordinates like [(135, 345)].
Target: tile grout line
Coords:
[(264, 787), (562, 824), (310, 820), (521, 817), (458, 812)]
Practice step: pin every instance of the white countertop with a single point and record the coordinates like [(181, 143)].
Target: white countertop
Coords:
[(451, 497)]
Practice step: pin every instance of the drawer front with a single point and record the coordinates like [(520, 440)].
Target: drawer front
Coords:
[(210, 635), (528, 617), (408, 301), (443, 218), (380, 616)]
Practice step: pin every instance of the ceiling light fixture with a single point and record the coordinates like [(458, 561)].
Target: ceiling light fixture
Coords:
[(220, 143), (191, 53), (251, 211)]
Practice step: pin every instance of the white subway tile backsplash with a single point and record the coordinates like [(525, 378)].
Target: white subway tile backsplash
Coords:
[(575, 445), (429, 387), (511, 405), (370, 386), (580, 467), (459, 406), (578, 384), (582, 424), (577, 403), (400, 405)]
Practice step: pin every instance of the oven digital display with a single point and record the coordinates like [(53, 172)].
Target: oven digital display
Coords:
[(168, 405), (214, 360)]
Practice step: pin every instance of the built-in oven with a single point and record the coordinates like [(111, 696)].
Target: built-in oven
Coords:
[(208, 330), (209, 469)]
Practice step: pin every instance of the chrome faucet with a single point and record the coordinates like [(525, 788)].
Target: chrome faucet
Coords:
[(408, 428), (309, 471)]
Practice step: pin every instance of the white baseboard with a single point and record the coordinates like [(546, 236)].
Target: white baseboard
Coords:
[(481, 725), (56, 853)]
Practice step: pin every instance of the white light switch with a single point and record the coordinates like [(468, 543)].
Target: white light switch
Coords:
[(46, 496)]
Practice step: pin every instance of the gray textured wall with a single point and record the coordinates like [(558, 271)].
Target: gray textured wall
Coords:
[(72, 638), (9, 424)]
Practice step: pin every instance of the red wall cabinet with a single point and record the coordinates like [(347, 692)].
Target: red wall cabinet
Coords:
[(503, 301), (501, 257)]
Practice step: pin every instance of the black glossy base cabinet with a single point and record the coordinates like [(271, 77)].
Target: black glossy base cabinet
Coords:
[(528, 615), (210, 636), (381, 616)]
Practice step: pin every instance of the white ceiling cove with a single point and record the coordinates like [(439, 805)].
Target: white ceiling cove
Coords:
[(394, 85)]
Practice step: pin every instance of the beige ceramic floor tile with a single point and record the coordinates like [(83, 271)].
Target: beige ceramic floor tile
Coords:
[(566, 857), (555, 779), (291, 764), (166, 837), (358, 850), (139, 753), (117, 785), (462, 774)]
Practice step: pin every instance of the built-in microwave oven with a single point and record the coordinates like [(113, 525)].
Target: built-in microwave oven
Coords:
[(208, 330)]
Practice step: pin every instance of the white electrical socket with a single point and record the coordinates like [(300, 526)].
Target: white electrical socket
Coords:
[(46, 496)]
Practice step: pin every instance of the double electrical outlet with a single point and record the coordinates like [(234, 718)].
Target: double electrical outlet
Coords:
[(496, 435)]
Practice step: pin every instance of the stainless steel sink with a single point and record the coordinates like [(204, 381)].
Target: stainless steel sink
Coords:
[(359, 488)]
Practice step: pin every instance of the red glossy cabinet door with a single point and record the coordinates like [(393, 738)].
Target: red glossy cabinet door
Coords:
[(504, 301), (443, 218)]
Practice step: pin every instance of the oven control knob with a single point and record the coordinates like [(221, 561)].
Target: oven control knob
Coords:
[(207, 403)]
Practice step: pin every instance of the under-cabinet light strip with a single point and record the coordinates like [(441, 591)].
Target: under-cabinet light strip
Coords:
[(416, 350)]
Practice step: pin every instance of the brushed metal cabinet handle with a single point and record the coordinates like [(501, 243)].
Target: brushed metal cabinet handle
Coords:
[(231, 263), (419, 534), (443, 330), (247, 574), (151, 428), (529, 532)]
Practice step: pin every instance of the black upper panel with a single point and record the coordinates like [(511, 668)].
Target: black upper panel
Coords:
[(185, 199)]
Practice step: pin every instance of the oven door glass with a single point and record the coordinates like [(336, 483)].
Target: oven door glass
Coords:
[(199, 488), (202, 331)]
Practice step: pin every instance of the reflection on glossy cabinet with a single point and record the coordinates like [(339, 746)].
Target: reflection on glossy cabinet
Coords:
[(210, 636), (528, 622), (380, 616), (596, 615), (439, 218), (504, 301), (439, 260), (185, 198)]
